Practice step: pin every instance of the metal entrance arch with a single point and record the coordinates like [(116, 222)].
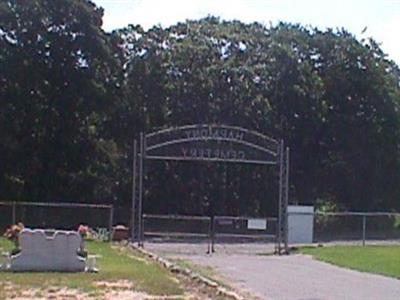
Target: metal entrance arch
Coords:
[(218, 143)]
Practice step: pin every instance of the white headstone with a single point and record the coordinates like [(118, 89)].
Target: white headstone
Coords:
[(41, 252)]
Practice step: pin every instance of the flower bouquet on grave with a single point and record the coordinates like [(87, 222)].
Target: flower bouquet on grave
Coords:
[(12, 234), (83, 231)]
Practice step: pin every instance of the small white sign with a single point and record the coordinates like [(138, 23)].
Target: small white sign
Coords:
[(260, 224), (225, 222)]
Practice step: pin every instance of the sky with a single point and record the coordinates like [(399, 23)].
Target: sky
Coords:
[(380, 17)]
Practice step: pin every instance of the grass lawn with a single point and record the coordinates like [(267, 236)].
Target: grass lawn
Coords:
[(383, 260), (116, 263)]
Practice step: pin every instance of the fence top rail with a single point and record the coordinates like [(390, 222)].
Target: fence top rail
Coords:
[(251, 236), (246, 218), (175, 234), (59, 204), (176, 217), (183, 217), (349, 213)]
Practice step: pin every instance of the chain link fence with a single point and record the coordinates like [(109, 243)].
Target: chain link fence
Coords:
[(336, 227), (176, 227), (228, 232), (357, 227), (198, 234), (224, 228), (66, 216), (244, 229)]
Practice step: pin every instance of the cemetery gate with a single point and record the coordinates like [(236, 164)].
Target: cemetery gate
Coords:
[(215, 143)]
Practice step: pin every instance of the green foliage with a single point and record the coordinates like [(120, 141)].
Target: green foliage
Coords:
[(322, 206), (57, 85), (332, 98), (383, 260), (6, 245), (322, 222), (396, 223), (73, 97)]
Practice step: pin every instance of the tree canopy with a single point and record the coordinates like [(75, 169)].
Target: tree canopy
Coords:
[(332, 98), (57, 84), (73, 98)]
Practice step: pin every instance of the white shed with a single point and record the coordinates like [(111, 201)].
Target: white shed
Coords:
[(300, 224)]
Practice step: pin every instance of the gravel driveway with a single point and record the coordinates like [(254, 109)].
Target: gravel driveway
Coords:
[(293, 277)]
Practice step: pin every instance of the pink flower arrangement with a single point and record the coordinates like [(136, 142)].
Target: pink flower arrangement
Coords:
[(83, 230)]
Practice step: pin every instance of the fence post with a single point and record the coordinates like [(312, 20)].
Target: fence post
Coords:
[(14, 213), (210, 235), (133, 213), (364, 225), (286, 202), (142, 232), (110, 223), (212, 221), (141, 174), (280, 212)]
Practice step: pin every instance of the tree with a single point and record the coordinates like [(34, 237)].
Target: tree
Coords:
[(73, 97), (58, 81), (332, 98)]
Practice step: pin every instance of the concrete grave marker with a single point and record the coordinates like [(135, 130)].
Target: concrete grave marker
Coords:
[(43, 252)]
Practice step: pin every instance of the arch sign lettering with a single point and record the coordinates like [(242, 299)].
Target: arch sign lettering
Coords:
[(218, 143), (212, 143)]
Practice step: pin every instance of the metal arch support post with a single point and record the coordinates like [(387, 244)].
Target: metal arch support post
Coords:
[(280, 212), (141, 158), (286, 201), (134, 200), (144, 174)]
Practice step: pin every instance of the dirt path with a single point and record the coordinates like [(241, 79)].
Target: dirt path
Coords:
[(120, 290)]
